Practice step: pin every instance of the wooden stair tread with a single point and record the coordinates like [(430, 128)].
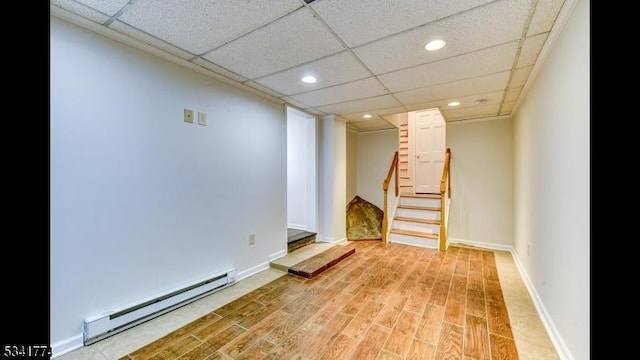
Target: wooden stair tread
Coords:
[(414, 233), (417, 220), (317, 264), (415, 207), (423, 196)]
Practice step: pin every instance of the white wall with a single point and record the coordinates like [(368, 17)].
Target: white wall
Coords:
[(552, 182), (332, 174), (301, 170), (481, 182), (352, 161), (375, 153), (141, 201)]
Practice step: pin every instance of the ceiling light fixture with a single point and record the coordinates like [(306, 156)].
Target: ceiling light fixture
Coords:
[(309, 79), (367, 116), (435, 45), (454, 103)]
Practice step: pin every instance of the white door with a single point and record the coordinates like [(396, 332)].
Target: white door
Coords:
[(429, 148)]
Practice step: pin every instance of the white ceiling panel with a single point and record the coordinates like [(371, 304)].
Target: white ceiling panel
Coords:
[(512, 94), (288, 42), (82, 10), (530, 49), (378, 124), (520, 77), (486, 61), (109, 7), (357, 24), (315, 111), (363, 105), (546, 13), (333, 70), (340, 93), (368, 56), (199, 26), (471, 112), (219, 70), (492, 98), (471, 86), (295, 103), (507, 107), (148, 39), (482, 27), (381, 112)]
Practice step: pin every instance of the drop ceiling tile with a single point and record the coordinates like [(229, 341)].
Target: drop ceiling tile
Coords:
[(263, 89), (545, 15), (148, 39), (333, 70), (358, 22), (109, 7), (375, 113), (315, 111), (295, 103), (81, 10), (378, 124), (199, 26), (358, 89), (507, 107), (476, 85), (482, 27), (288, 42), (530, 49), (493, 98), (487, 61), (519, 77), (217, 69), (512, 94), (362, 105), (471, 112)]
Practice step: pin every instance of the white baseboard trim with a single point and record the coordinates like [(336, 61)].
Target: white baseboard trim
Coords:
[(277, 255), (297, 227), (340, 241), (326, 239), (253, 270), (556, 338), (65, 346), (480, 244)]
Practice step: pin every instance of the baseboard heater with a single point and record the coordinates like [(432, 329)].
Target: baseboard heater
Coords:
[(102, 326)]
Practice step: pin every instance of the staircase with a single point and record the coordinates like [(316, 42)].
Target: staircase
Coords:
[(417, 220)]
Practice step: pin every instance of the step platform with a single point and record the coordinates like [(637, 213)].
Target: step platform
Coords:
[(313, 259)]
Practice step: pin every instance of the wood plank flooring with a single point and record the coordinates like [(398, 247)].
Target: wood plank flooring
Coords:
[(384, 302)]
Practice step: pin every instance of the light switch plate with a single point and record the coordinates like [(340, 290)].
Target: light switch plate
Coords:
[(202, 119), (188, 116)]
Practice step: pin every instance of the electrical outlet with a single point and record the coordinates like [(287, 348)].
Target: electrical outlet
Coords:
[(202, 119), (252, 239), (188, 116)]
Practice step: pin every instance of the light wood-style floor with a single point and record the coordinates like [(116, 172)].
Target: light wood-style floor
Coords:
[(383, 302)]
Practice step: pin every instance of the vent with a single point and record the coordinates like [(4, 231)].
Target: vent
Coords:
[(102, 326)]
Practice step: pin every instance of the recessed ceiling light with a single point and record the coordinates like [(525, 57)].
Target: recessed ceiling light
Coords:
[(435, 45), (367, 116), (309, 79), (454, 103), (481, 101)]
